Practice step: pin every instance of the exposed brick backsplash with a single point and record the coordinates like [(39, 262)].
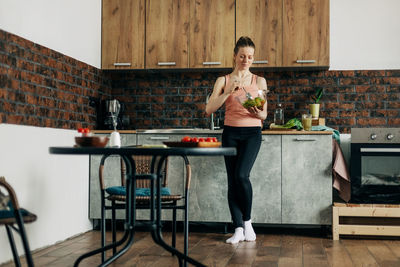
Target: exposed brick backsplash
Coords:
[(350, 99), (39, 86), (42, 87)]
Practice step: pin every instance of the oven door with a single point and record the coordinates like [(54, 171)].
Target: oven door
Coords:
[(375, 173)]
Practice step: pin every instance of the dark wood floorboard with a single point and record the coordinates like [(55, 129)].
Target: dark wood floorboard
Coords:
[(283, 250)]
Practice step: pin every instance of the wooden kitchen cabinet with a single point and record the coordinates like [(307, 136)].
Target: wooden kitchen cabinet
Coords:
[(212, 33), (305, 33), (261, 20), (167, 34), (307, 179), (123, 34)]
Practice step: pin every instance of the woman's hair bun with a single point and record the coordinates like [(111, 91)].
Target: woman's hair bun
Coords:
[(244, 41)]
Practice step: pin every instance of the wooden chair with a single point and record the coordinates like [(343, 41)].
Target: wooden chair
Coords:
[(13, 218), (117, 196)]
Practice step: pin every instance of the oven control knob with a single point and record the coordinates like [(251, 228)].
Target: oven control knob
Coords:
[(389, 136), (373, 136)]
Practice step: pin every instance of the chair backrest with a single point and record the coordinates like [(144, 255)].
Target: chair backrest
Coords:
[(143, 166), (4, 199)]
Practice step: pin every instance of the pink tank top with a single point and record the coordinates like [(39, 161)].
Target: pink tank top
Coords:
[(235, 114)]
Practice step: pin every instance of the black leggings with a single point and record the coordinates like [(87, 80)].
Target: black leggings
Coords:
[(247, 141)]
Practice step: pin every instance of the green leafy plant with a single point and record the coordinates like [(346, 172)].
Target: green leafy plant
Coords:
[(317, 96)]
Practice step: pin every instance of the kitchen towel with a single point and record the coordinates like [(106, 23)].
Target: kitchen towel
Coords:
[(335, 133), (340, 172)]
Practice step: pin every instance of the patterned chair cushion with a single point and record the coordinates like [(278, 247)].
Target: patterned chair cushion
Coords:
[(121, 191)]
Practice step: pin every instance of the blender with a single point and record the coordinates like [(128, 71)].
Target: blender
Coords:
[(113, 108)]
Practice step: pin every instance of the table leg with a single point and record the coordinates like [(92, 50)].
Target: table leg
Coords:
[(156, 231), (130, 219)]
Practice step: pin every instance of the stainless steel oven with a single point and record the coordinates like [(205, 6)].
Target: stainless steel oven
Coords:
[(375, 165)]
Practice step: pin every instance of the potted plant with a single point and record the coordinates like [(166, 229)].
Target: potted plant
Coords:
[(314, 108)]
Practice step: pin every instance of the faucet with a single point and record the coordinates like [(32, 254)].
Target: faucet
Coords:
[(212, 125)]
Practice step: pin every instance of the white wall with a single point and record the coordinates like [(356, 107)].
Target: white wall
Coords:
[(71, 27), (364, 34), (54, 187)]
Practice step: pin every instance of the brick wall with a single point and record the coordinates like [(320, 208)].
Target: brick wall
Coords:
[(350, 99), (41, 87)]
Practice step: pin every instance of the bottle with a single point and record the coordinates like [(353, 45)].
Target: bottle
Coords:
[(279, 116)]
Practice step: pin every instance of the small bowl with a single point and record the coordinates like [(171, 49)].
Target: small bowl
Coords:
[(91, 141)]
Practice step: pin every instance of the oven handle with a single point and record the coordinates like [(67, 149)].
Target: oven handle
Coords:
[(381, 149)]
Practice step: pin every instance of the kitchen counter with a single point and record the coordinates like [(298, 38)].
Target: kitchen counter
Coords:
[(206, 131)]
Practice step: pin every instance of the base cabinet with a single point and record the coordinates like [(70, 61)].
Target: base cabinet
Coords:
[(266, 181), (291, 180), (112, 176), (306, 179)]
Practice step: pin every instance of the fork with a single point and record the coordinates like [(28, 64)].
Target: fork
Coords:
[(248, 95)]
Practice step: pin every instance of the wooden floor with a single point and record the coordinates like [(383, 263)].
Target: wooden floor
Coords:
[(270, 249)]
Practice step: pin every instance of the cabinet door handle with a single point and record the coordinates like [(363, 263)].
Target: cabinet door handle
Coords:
[(120, 64), (166, 63), (305, 61), (159, 137), (211, 63), (260, 62), (304, 140)]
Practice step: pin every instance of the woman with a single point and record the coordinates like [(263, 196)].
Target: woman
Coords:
[(242, 129)]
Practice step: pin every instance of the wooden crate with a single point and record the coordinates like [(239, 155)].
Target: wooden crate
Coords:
[(341, 210), (317, 122)]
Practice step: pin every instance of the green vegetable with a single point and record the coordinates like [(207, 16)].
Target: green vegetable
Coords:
[(291, 124), (249, 103)]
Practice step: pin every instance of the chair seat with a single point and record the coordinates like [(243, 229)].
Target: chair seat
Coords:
[(143, 192), (8, 217), (145, 198)]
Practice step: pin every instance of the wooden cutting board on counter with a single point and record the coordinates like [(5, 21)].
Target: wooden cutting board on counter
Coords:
[(193, 144), (273, 127)]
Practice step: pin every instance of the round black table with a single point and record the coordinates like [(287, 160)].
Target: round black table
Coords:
[(157, 152)]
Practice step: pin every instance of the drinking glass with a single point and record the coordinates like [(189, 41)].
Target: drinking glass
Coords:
[(306, 120)]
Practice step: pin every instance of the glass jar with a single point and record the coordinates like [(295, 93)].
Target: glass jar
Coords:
[(279, 116)]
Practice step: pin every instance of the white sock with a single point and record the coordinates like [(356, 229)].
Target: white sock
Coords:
[(237, 236), (249, 234)]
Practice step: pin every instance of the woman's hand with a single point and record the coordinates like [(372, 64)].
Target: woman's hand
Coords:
[(232, 86), (258, 112)]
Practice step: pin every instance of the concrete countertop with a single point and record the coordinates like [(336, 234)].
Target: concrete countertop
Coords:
[(208, 131)]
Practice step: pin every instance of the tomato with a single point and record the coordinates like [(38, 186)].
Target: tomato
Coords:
[(195, 140), (201, 139), (80, 130), (86, 130), (215, 139), (209, 139), (186, 139)]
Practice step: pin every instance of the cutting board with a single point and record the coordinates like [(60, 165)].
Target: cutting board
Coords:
[(272, 127), (193, 144)]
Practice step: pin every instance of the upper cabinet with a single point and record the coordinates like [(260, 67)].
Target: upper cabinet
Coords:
[(167, 34), (157, 34), (305, 33), (123, 34), (212, 33), (261, 20)]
